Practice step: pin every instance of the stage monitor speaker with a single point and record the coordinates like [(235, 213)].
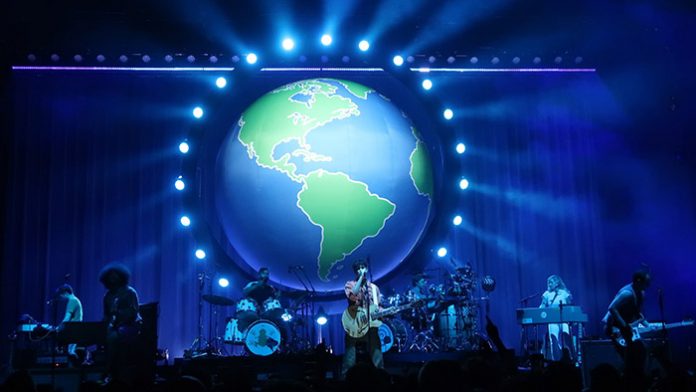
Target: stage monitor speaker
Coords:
[(597, 352)]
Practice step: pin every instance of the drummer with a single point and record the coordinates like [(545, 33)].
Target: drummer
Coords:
[(421, 291), (259, 290)]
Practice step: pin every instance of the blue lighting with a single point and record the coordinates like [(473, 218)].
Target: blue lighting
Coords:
[(179, 184), (427, 84), (288, 44), (463, 183), (326, 40), (398, 60), (197, 112), (221, 82), (461, 148), (200, 254), (363, 46), (448, 114), (457, 220), (184, 147), (287, 316), (223, 282), (251, 58), (442, 252), (322, 320), (185, 221)]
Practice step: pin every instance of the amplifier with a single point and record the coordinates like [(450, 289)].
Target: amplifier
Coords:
[(597, 352)]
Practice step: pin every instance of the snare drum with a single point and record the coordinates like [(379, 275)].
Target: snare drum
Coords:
[(232, 332), (272, 309), (263, 338)]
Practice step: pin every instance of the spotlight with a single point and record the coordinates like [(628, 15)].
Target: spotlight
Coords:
[(363, 45), (427, 84), (442, 252), (516, 60), (460, 148), (537, 60), (322, 317), (287, 316), (123, 58), (31, 57), (223, 282), (235, 59), (146, 59), (431, 59), (324, 58), (221, 82), (191, 58), (200, 254), (251, 58), (302, 58), (55, 58), (474, 60), (77, 58), (326, 40), (288, 44), (495, 60), (345, 59), (197, 112), (457, 220), (168, 58), (448, 114), (185, 221), (450, 60), (578, 60), (410, 59), (558, 60), (398, 60), (213, 59), (101, 58), (463, 183), (184, 147), (179, 184)]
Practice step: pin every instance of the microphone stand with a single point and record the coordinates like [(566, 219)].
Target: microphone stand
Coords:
[(312, 297), (305, 307)]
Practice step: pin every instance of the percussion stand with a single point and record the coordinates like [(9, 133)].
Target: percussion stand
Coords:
[(197, 345), (313, 300)]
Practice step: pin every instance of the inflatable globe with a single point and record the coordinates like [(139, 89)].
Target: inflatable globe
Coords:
[(318, 173)]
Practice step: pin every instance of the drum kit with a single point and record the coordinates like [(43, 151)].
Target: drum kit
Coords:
[(447, 318), (260, 330)]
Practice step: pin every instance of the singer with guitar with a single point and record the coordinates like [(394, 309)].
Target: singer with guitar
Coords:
[(362, 295), (626, 308)]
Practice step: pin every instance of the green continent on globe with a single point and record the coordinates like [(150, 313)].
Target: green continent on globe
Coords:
[(345, 210), (421, 171), (289, 114)]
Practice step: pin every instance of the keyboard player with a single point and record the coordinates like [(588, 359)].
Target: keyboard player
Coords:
[(556, 295)]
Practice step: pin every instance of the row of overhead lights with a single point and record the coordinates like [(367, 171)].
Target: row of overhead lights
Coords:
[(252, 58)]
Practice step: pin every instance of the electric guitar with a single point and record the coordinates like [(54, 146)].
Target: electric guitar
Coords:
[(639, 330), (356, 323)]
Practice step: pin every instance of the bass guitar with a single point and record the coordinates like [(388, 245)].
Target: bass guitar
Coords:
[(356, 322), (639, 331)]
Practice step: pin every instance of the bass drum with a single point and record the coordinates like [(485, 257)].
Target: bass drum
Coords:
[(262, 338), (394, 334)]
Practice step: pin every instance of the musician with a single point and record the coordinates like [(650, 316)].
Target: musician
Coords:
[(462, 282), (556, 294), (73, 310), (123, 319), (360, 293), (421, 291), (626, 307), (260, 290)]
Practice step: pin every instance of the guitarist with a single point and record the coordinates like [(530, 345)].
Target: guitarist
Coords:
[(626, 307), (360, 293)]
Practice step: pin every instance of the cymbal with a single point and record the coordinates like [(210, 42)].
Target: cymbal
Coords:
[(218, 300)]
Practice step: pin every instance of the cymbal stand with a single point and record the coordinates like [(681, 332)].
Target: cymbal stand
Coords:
[(196, 347)]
